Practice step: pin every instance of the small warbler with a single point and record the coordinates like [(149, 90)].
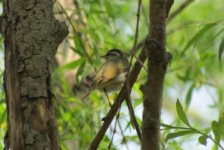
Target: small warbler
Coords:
[(112, 74)]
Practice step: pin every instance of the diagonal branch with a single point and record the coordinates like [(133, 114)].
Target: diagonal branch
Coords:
[(133, 52), (171, 17), (114, 131), (179, 9)]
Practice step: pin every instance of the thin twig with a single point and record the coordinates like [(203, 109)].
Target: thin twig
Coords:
[(145, 15), (133, 118), (209, 137), (140, 63), (193, 129), (105, 91), (171, 17), (128, 98), (114, 131), (179, 9), (122, 133), (119, 124), (75, 32), (169, 4), (137, 28), (138, 46)]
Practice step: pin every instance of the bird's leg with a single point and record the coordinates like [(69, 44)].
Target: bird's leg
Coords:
[(105, 91)]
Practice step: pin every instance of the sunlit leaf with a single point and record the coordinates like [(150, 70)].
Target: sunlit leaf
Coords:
[(181, 113), (64, 146), (137, 102), (70, 66), (198, 35), (78, 45), (178, 134), (2, 117), (80, 71), (216, 130)]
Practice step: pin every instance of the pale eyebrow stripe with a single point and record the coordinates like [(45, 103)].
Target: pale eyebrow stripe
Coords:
[(116, 53)]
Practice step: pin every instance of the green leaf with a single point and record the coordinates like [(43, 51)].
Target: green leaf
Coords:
[(178, 134), (95, 50), (182, 78), (203, 140), (216, 130), (78, 45), (137, 102), (129, 138), (167, 126), (80, 71), (221, 49), (215, 127), (189, 95), (198, 36), (77, 51), (127, 126), (181, 113), (69, 66)]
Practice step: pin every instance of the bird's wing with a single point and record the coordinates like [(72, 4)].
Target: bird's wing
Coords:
[(110, 70), (107, 72)]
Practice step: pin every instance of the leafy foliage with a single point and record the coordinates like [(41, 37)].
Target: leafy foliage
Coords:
[(195, 39)]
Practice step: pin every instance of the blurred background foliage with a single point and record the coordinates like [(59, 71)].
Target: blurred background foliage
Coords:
[(195, 76)]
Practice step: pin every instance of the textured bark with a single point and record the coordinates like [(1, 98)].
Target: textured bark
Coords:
[(31, 37), (152, 89)]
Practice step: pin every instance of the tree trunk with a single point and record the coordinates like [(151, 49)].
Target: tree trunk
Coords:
[(158, 60), (31, 37)]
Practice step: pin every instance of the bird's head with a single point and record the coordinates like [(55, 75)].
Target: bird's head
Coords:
[(113, 53)]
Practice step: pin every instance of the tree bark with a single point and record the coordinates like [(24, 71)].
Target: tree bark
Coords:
[(31, 37), (152, 89)]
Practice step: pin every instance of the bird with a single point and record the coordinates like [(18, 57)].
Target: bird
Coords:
[(112, 74)]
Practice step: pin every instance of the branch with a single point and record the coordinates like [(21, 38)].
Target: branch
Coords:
[(119, 124), (171, 17), (169, 4), (133, 118), (128, 98), (78, 35), (117, 103), (179, 9), (157, 64), (114, 131), (122, 133)]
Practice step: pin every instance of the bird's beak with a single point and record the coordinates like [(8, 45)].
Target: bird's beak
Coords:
[(103, 56)]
